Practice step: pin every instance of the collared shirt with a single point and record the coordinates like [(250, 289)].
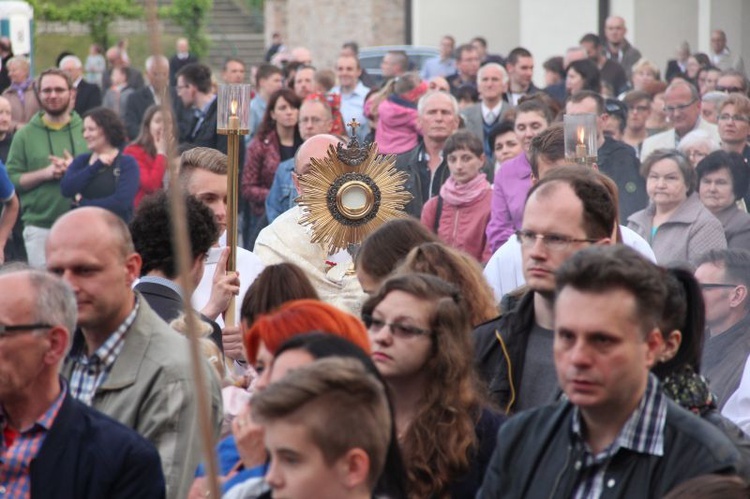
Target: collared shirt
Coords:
[(353, 106), (490, 116), (200, 115), (20, 448), (436, 66), (89, 373), (643, 432)]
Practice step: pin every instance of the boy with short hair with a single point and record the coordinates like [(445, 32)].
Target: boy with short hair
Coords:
[(268, 79), (327, 428)]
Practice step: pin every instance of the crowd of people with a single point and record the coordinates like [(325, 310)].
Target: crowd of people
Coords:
[(531, 327)]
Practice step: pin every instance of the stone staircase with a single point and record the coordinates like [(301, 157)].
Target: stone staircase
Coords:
[(234, 31)]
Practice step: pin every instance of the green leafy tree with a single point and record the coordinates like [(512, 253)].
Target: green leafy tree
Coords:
[(191, 16), (97, 15)]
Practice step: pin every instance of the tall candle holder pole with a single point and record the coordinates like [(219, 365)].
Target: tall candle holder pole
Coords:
[(233, 120)]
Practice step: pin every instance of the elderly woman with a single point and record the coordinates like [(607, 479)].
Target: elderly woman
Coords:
[(675, 223), (21, 94), (722, 180), (696, 145)]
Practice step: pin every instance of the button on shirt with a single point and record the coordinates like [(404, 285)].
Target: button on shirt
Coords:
[(20, 448), (643, 433), (89, 373)]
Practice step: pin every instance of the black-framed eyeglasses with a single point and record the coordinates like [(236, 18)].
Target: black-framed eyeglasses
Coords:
[(681, 107), (717, 285), (528, 239), (20, 328), (728, 90), (397, 329)]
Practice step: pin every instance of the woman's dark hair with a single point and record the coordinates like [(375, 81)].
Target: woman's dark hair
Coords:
[(112, 126), (684, 312), (467, 93), (269, 124), (734, 162), (463, 140), (555, 64), (589, 72), (274, 286), (145, 139), (386, 247), (501, 128), (392, 482)]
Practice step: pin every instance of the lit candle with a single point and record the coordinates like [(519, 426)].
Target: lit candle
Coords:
[(581, 151), (234, 120)]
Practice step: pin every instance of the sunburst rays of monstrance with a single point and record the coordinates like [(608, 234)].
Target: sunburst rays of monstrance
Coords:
[(350, 192)]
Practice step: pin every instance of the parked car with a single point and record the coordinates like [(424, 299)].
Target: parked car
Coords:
[(371, 57)]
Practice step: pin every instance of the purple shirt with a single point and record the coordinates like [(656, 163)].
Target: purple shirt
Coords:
[(512, 184)]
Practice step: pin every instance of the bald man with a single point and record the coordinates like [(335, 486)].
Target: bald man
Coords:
[(285, 240), (618, 48), (126, 361)]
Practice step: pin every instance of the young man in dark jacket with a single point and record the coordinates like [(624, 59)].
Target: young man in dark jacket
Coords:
[(616, 434)]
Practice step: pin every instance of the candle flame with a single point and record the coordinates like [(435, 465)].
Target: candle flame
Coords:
[(233, 108), (581, 135)]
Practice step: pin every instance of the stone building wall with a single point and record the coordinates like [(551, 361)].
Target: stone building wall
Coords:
[(324, 27)]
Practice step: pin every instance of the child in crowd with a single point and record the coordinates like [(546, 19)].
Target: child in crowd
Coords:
[(460, 213), (396, 104), (334, 418)]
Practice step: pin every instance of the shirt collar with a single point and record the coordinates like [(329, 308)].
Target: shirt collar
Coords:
[(643, 432), (108, 351), (495, 110), (47, 419)]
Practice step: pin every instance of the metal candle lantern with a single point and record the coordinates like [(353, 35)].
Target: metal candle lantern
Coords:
[(581, 138), (233, 120)]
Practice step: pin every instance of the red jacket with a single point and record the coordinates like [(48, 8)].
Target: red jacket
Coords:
[(261, 161), (152, 171), (462, 227)]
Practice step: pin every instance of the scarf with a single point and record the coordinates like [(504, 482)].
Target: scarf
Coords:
[(464, 194), (690, 390), (21, 88)]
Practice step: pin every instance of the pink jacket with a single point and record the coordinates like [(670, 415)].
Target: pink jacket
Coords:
[(462, 227), (397, 128)]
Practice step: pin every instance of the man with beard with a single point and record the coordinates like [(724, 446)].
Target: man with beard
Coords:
[(39, 156)]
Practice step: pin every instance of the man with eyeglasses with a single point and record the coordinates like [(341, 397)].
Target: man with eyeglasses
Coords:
[(50, 441), (569, 209), (39, 156), (315, 118), (732, 81), (682, 103), (724, 276)]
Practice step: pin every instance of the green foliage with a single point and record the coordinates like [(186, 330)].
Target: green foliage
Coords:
[(96, 14), (191, 15)]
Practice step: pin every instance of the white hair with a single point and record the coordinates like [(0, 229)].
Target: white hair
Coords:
[(152, 60), (432, 93), (494, 65), (698, 138), (71, 58)]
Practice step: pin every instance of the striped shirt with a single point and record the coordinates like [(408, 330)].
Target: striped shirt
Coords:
[(643, 432), (89, 373), (19, 448)]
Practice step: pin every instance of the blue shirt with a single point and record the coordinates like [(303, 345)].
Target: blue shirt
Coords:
[(436, 66), (353, 106), (282, 194), (257, 110), (6, 186)]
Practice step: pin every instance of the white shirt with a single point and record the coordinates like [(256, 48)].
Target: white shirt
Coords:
[(491, 118), (737, 408), (248, 266), (504, 270)]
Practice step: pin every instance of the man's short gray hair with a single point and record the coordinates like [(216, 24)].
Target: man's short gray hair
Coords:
[(151, 60), (71, 58), (494, 65), (429, 95), (714, 97)]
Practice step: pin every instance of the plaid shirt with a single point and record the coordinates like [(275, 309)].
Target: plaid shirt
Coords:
[(89, 373), (19, 448), (643, 432)]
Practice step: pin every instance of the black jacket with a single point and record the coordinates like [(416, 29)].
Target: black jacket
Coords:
[(500, 348), (87, 455), (143, 98), (618, 161), (88, 96), (206, 135), (536, 457)]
